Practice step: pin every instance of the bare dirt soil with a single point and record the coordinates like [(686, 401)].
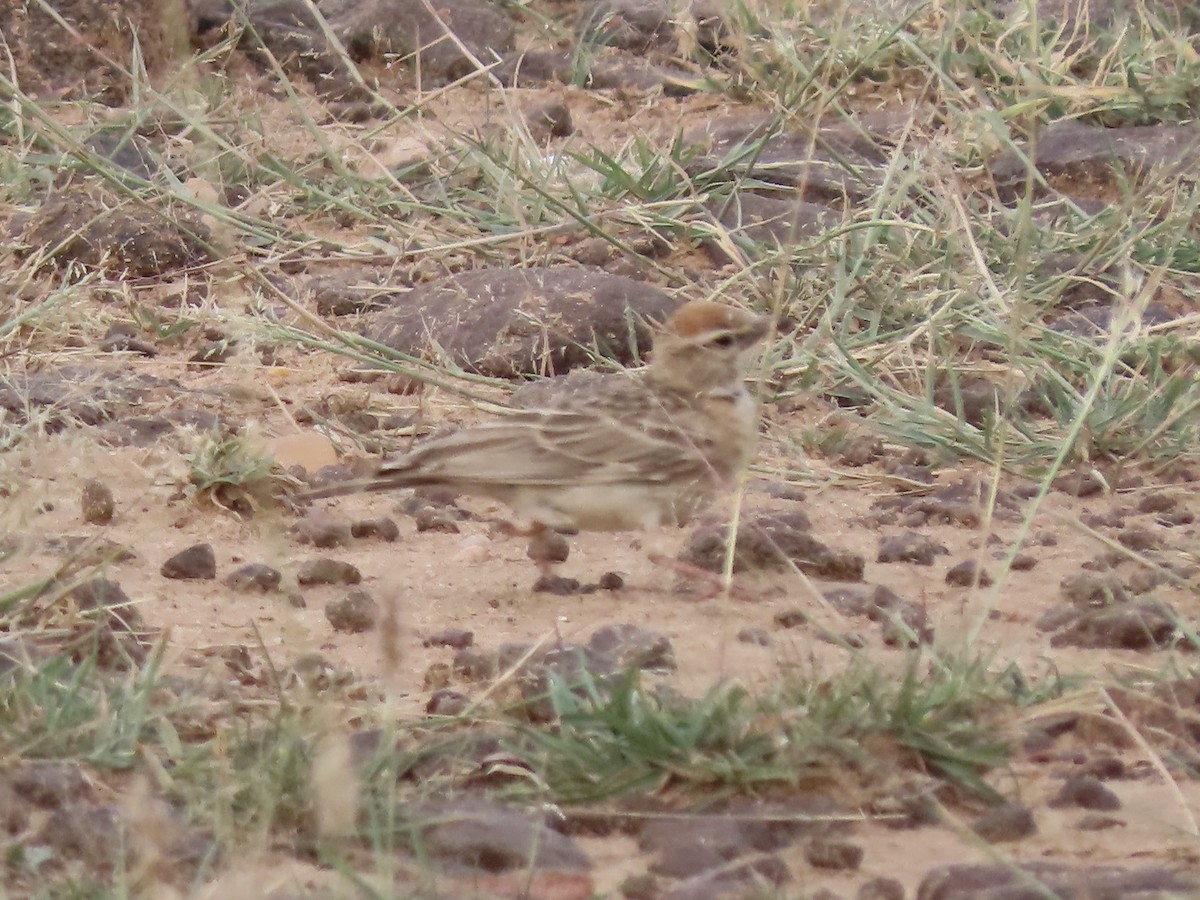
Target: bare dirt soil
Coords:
[(460, 574)]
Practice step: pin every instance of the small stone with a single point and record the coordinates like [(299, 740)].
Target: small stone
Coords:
[(1086, 792), (881, 888), (1145, 625), (446, 702), (383, 528), (121, 338), (791, 618), (213, 353), (1080, 484), (902, 622), (510, 654), (87, 834), (548, 547), (437, 676), (549, 119), (909, 547), (326, 570), (50, 784), (1093, 589), (611, 581), (1008, 822), (458, 638), (822, 853), (626, 646), (1157, 503), (355, 613), (756, 636), (641, 887), (322, 530), (968, 573), (1144, 580), (96, 502), (1023, 562), (197, 561), (471, 665), (557, 585), (1175, 518), (1100, 520), (1098, 822), (253, 577), (1139, 540), (1106, 768), (431, 518)]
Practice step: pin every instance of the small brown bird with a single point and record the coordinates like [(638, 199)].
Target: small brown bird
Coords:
[(639, 449)]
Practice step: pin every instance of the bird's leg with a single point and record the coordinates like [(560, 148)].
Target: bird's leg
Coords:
[(546, 547), (709, 585)]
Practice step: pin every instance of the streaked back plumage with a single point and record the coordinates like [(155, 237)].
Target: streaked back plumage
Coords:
[(681, 428)]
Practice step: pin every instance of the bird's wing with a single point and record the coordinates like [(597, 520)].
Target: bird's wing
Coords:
[(555, 446)]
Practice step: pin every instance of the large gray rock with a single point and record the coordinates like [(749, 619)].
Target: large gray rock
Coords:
[(507, 322), (1082, 160)]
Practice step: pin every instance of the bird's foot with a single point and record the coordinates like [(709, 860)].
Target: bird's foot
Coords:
[(701, 584)]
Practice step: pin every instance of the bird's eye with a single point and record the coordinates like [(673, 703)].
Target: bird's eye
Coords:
[(725, 340)]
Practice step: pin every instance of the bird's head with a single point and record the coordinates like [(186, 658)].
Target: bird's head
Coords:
[(703, 345)]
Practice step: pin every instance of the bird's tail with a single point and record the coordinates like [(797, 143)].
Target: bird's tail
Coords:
[(391, 476)]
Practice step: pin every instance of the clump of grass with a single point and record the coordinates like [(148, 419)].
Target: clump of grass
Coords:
[(229, 472), (622, 737)]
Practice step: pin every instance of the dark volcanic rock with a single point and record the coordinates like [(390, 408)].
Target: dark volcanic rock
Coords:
[(80, 226), (509, 322), (758, 219), (771, 541), (1007, 882), (1143, 625), (607, 70), (754, 878), (50, 784), (355, 612), (549, 119), (494, 838), (911, 548), (796, 167), (1008, 822), (1083, 160), (974, 400), (321, 529), (81, 49), (96, 502), (197, 561), (254, 577), (961, 503), (824, 853), (407, 27), (881, 888), (455, 638), (625, 646), (1086, 792), (72, 395), (326, 570), (113, 619), (968, 573), (383, 528), (472, 665), (636, 25)]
